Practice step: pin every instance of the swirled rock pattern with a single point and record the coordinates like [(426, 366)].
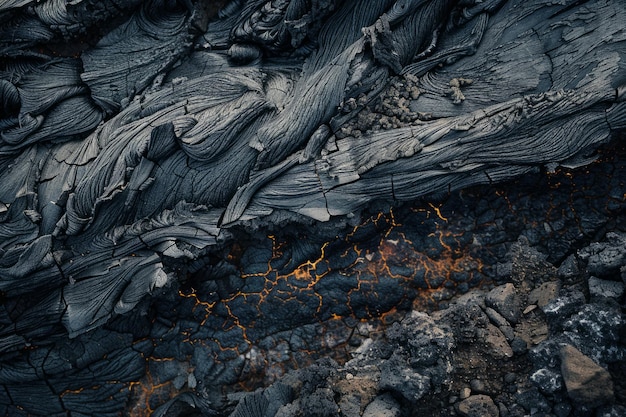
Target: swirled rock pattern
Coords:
[(140, 139)]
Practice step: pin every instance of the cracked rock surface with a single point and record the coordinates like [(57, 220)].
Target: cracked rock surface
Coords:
[(444, 363), (325, 207)]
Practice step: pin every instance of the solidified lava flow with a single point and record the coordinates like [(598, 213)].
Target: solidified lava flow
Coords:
[(197, 197)]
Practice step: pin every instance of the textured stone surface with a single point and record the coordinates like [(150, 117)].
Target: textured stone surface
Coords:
[(478, 406), (498, 345), (547, 381), (382, 406), (605, 258), (505, 301), (604, 288), (544, 294), (586, 381), (196, 197)]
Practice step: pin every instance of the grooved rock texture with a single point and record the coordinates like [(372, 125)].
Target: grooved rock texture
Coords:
[(197, 196)]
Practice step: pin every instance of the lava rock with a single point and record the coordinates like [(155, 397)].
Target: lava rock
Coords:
[(595, 330), (498, 347), (587, 382), (320, 403), (425, 340), (505, 301), (569, 267), (546, 354), (153, 194), (605, 288), (396, 376), (519, 346), (532, 401), (466, 322), (605, 258), (559, 309), (424, 346), (548, 381), (478, 406), (529, 264)]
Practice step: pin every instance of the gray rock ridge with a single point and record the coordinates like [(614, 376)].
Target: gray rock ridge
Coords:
[(147, 149)]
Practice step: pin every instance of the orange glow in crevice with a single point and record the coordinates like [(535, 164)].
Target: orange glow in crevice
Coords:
[(422, 278), (148, 393)]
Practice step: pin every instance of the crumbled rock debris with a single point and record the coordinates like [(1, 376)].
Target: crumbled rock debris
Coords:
[(388, 111), (455, 361)]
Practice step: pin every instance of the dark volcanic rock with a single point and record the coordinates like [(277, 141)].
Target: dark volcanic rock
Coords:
[(421, 364), (548, 381), (569, 268), (559, 309), (320, 403), (403, 381), (605, 288), (468, 322), (595, 330), (505, 301), (532, 401), (605, 258)]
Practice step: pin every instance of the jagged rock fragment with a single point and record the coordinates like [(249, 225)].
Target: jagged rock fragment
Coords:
[(505, 301), (586, 382)]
